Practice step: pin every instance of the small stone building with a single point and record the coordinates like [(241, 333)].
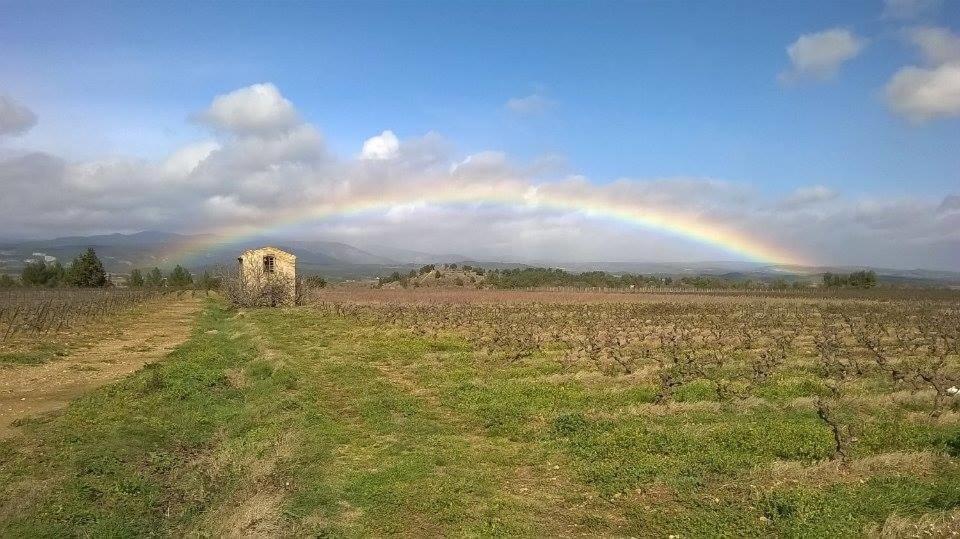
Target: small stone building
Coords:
[(270, 272)]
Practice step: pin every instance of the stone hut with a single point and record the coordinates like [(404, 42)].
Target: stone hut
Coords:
[(270, 273)]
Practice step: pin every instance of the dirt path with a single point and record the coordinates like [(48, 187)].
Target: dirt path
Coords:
[(28, 390)]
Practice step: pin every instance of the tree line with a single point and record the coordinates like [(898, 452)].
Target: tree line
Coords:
[(179, 277), (87, 271), (857, 279)]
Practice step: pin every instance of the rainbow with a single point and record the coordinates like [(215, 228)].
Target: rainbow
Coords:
[(514, 195)]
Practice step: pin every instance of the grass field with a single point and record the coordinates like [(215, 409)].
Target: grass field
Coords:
[(386, 415)]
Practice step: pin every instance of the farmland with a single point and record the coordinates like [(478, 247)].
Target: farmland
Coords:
[(466, 412)]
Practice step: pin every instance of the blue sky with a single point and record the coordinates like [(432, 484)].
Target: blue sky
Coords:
[(645, 88), (620, 89)]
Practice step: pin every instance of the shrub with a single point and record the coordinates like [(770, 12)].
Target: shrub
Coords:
[(207, 282), (38, 273), (315, 281)]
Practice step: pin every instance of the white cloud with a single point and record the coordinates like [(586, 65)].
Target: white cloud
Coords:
[(908, 9), (531, 104), (257, 109), (15, 119), (488, 165), (383, 146), (932, 91), (923, 94), (228, 207), (256, 178), (937, 45), (804, 197), (185, 160), (820, 55)]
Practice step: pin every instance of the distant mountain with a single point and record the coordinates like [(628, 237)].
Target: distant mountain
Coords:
[(123, 252), (149, 237), (407, 256), (342, 252)]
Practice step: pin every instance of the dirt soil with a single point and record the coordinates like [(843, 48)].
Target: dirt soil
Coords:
[(31, 389)]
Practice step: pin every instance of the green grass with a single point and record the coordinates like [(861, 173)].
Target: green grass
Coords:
[(292, 422), (126, 460), (38, 355)]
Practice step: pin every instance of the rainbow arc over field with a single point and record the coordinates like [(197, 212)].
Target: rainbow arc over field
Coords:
[(693, 228)]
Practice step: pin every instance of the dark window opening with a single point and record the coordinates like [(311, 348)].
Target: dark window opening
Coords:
[(268, 265)]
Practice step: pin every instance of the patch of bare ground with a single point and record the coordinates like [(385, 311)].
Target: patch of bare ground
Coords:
[(131, 343), (941, 525), (254, 509), (826, 473)]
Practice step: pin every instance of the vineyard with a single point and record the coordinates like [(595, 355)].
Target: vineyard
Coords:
[(698, 391), (735, 350), (375, 412), (33, 312)]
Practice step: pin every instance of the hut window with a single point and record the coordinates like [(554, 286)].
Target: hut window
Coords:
[(268, 266)]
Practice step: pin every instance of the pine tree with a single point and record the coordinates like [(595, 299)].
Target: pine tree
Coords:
[(179, 277), (155, 278), (34, 273), (39, 273), (136, 279), (56, 274), (87, 271)]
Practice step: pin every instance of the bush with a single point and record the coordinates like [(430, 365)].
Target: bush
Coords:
[(857, 279), (259, 289), (7, 281), (315, 281), (38, 273), (953, 446), (207, 282)]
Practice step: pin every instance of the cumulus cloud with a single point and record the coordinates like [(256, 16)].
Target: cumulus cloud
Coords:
[(937, 45), (237, 180), (256, 109), (819, 55), (15, 119), (383, 146), (931, 91), (531, 104), (909, 9), (181, 163)]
